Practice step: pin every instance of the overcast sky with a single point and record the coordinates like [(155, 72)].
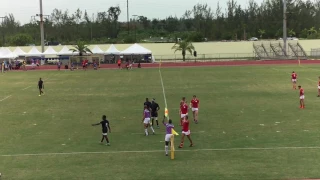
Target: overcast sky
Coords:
[(24, 9)]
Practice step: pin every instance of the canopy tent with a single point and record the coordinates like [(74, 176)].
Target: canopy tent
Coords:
[(50, 51), (112, 50), (96, 50), (8, 55), (34, 52), (4, 50), (19, 52), (136, 49)]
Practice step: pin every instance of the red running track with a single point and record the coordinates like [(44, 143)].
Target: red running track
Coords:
[(200, 64)]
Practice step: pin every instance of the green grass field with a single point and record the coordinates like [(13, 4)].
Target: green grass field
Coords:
[(250, 126)]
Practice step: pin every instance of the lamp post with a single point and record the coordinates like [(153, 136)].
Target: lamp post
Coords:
[(135, 27), (285, 26), (128, 17)]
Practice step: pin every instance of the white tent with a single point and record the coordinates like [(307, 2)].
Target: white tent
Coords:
[(34, 52), (66, 52), (9, 55), (112, 50), (50, 51), (96, 50), (5, 53), (136, 49), (19, 52), (4, 50)]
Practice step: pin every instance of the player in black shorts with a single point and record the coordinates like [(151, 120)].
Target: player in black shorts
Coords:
[(105, 127), (40, 86), (154, 111)]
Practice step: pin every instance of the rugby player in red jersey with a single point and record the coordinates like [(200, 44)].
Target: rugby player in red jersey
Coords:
[(319, 87), (185, 131), (294, 79), (194, 104), (301, 97), (182, 101), (183, 111)]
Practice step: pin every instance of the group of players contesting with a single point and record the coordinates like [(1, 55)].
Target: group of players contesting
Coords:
[(150, 113)]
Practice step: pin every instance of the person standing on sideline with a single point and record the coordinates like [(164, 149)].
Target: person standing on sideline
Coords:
[(154, 112), (169, 126), (59, 65), (146, 120), (40, 86), (119, 63), (105, 127), (301, 93)]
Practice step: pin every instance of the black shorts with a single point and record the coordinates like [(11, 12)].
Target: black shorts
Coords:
[(40, 88), (154, 114), (104, 131)]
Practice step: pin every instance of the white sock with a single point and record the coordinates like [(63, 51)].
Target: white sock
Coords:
[(152, 129), (166, 149), (146, 131)]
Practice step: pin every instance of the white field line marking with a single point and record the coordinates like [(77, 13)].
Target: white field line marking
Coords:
[(158, 117), (311, 80), (5, 98), (290, 74), (26, 88), (163, 91), (158, 151), (165, 133)]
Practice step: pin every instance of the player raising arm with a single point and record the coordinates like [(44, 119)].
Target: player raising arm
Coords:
[(294, 79), (185, 132), (146, 120), (105, 127), (301, 97), (183, 111), (194, 104), (40, 86), (169, 126)]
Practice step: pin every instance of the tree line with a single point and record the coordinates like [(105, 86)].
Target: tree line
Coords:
[(201, 22)]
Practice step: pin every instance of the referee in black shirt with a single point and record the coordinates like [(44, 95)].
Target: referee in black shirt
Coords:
[(40, 86), (147, 103), (154, 111)]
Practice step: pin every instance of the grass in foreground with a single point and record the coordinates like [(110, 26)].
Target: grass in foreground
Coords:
[(241, 107)]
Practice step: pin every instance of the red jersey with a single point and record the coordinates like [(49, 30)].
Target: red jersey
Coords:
[(195, 103), (119, 61), (184, 109), (185, 125), (319, 83), (301, 92), (294, 76)]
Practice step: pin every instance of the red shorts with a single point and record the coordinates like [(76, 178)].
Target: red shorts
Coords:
[(119, 65)]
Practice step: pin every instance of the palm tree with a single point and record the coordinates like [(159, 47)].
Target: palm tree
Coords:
[(183, 46), (81, 47), (261, 32), (291, 33)]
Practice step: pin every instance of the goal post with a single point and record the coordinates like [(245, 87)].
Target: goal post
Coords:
[(77, 61)]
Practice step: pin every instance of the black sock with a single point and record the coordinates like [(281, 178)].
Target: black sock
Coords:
[(157, 122)]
